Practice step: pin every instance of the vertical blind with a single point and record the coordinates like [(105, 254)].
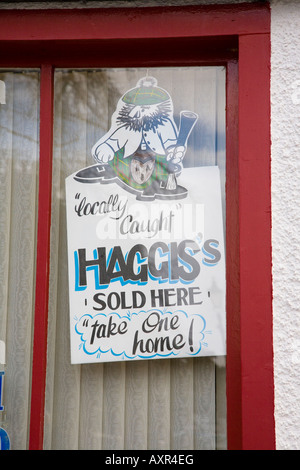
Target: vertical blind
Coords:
[(19, 134), (148, 404)]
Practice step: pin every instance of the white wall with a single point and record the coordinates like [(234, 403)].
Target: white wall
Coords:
[(285, 114)]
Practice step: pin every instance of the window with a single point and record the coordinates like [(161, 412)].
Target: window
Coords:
[(19, 193), (236, 39), (130, 405)]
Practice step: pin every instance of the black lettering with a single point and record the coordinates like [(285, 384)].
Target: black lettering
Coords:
[(123, 301), (157, 345), (192, 292), (178, 342), (151, 322), (97, 299), (117, 261), (113, 301), (181, 296), (214, 255), (184, 253), (79, 209), (99, 262), (142, 274), (168, 293), (175, 263), (94, 326), (163, 271), (159, 297), (138, 295)]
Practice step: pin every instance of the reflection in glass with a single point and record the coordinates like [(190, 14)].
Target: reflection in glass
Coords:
[(19, 137), (160, 404)]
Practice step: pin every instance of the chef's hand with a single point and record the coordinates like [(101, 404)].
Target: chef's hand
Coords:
[(176, 154), (103, 153)]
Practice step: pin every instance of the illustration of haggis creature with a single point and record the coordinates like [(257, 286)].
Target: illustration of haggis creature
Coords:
[(143, 146)]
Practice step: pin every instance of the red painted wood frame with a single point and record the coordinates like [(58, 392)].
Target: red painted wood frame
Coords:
[(237, 36)]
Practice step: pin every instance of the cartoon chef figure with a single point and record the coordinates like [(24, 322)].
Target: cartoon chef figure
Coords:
[(143, 128)]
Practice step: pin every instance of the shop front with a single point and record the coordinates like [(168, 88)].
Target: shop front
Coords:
[(136, 269)]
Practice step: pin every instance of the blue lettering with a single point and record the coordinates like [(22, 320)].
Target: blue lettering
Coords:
[(4, 440)]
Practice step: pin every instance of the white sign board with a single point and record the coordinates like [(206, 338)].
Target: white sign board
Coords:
[(145, 249)]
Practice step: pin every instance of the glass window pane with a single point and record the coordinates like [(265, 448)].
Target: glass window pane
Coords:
[(19, 139), (177, 403)]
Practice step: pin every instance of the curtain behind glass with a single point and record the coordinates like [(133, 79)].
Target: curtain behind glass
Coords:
[(19, 134), (158, 404)]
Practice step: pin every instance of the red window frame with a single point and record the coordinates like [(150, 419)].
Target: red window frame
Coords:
[(237, 36)]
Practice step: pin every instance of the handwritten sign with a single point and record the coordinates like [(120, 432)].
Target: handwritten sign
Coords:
[(146, 280), (145, 240)]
